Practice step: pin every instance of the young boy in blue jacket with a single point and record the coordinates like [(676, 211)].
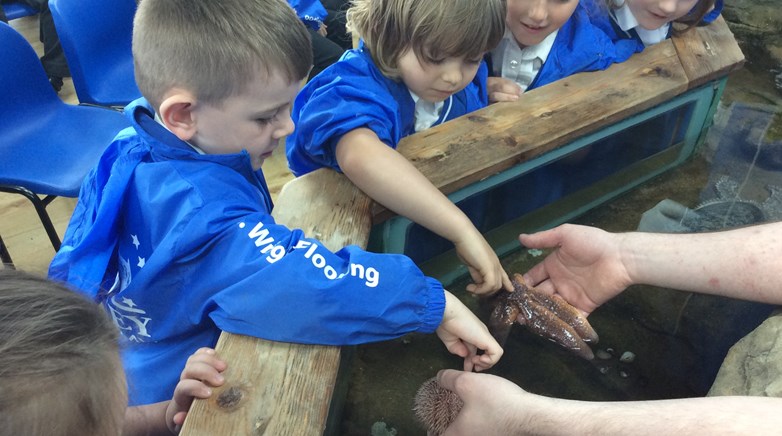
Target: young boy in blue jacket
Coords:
[(172, 232), (419, 64)]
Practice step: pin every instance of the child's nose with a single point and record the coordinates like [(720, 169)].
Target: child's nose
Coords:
[(284, 127), (667, 6), (538, 11), (452, 75)]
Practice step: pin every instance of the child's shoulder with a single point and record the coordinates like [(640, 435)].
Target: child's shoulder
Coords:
[(354, 77)]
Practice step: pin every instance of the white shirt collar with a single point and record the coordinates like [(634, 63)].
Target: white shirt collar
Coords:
[(627, 21), (521, 64), (426, 112)]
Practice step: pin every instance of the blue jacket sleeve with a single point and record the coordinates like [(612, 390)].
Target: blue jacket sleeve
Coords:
[(340, 99), (262, 279)]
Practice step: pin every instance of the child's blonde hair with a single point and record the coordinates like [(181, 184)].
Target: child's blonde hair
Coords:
[(215, 48), (60, 372), (433, 29)]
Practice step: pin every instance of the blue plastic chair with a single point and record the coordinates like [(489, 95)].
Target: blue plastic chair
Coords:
[(47, 147), (96, 38), (14, 10)]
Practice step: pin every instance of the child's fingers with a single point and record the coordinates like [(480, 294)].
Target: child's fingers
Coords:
[(206, 355), (179, 418), (497, 97), (203, 371), (188, 390)]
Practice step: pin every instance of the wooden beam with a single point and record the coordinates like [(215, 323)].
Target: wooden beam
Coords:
[(708, 52), (276, 388)]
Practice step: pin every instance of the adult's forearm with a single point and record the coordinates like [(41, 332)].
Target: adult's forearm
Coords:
[(691, 416), (743, 263)]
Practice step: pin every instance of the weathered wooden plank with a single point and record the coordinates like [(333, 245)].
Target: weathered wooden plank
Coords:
[(276, 388), (465, 150), (708, 52)]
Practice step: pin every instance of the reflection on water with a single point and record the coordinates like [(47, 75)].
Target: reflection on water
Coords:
[(678, 339)]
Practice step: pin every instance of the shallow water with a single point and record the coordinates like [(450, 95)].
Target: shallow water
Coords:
[(679, 339)]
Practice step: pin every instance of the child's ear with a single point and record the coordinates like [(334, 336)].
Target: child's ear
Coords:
[(176, 112)]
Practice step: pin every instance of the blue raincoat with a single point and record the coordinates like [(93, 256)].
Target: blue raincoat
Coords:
[(353, 93), (178, 246)]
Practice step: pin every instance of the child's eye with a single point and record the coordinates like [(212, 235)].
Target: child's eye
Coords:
[(435, 61), (474, 61), (264, 121)]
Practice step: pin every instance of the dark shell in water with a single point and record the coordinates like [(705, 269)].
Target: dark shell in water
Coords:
[(721, 214)]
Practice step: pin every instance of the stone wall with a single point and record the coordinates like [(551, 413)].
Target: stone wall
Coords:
[(756, 25)]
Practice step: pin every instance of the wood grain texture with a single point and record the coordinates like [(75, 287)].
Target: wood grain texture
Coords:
[(708, 52), (275, 388)]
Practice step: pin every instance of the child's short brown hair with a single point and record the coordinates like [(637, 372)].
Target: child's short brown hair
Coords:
[(433, 29), (215, 48), (60, 371)]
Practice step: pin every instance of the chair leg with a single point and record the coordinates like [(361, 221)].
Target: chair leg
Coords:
[(5, 256), (40, 207)]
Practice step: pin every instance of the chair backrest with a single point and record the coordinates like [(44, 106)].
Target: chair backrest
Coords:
[(25, 82), (14, 10), (47, 146), (96, 38)]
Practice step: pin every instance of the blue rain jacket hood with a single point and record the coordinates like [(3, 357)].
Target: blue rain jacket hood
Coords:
[(178, 246)]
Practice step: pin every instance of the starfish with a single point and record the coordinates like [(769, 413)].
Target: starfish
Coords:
[(548, 316)]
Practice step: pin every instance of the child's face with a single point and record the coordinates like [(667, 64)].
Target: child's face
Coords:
[(531, 21), (255, 120), (436, 80), (653, 14)]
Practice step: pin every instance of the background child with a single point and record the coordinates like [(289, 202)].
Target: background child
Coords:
[(548, 40), (325, 50), (60, 370), (649, 21), (172, 231), (419, 64)]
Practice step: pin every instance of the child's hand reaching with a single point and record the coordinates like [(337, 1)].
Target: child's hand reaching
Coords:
[(501, 89), (464, 334), (202, 371), (483, 264)]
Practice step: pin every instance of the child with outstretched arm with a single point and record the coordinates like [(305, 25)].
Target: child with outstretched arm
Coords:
[(172, 231), (420, 63)]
